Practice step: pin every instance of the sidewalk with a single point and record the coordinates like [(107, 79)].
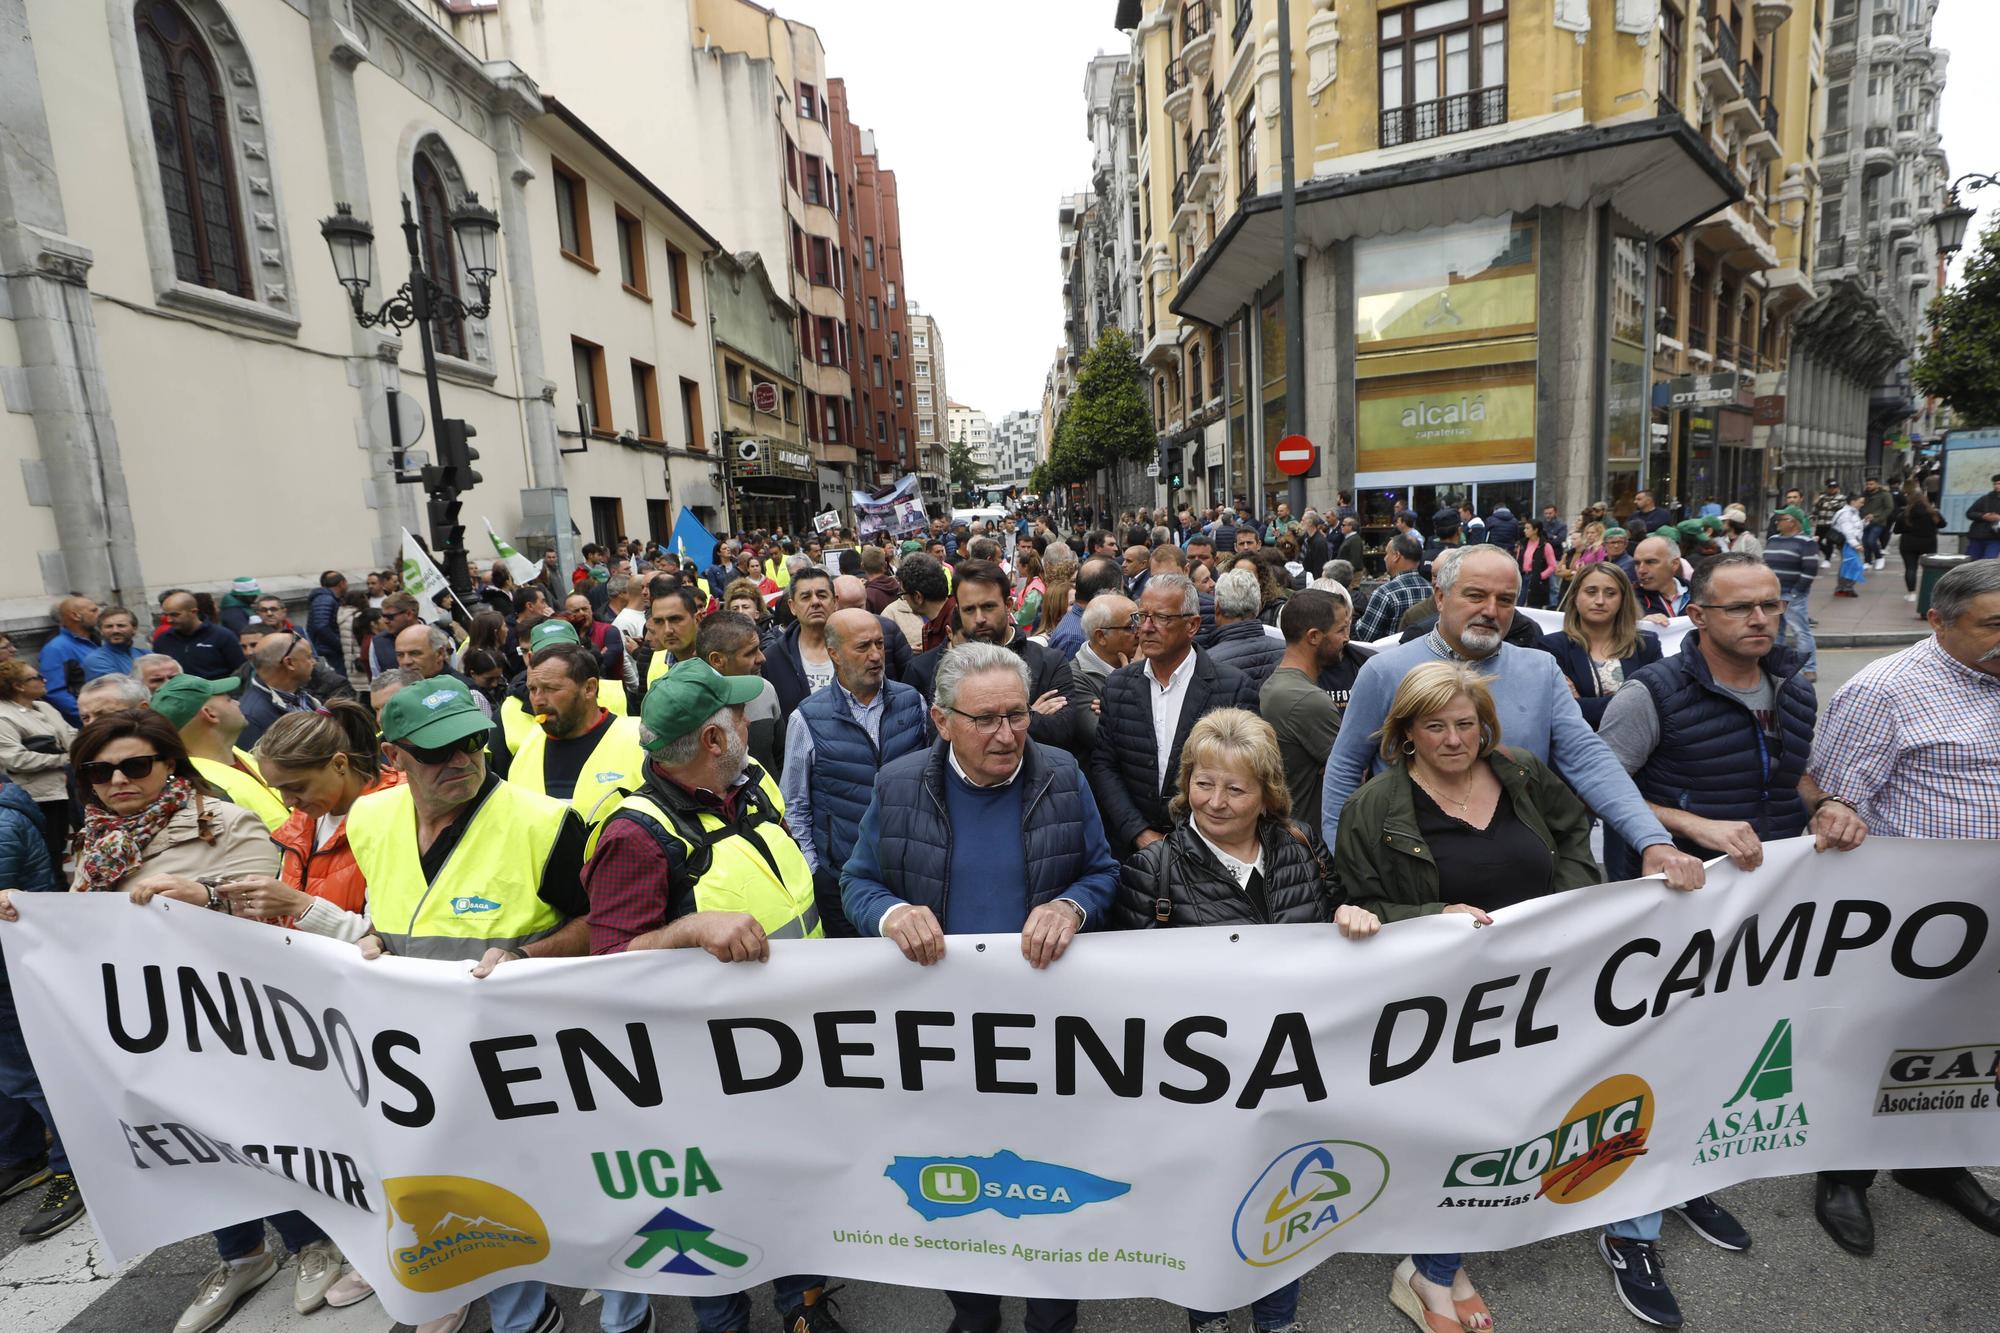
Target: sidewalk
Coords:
[(1878, 618)]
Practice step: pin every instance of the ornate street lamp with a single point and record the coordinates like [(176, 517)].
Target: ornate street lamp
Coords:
[(1950, 222)]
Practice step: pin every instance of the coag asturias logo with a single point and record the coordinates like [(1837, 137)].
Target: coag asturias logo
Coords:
[(445, 1231), (1763, 1115), (1579, 1159), (1307, 1192), (1940, 1078), (669, 1240), (1007, 1183)]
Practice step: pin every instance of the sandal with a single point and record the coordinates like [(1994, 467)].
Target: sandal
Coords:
[(1470, 1309), (1404, 1297)]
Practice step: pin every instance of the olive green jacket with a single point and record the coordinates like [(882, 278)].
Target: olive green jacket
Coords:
[(1384, 863)]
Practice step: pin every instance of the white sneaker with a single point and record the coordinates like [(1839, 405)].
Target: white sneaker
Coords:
[(318, 1269), (1909, 597), (225, 1287), (450, 1323), (350, 1288), (1881, 560)]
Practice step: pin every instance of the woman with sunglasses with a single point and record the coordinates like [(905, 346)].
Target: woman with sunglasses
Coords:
[(153, 828)]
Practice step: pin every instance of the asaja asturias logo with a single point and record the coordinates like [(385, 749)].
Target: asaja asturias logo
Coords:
[(445, 1231), (1006, 1183), (1579, 1159), (1763, 1115), (1307, 1192)]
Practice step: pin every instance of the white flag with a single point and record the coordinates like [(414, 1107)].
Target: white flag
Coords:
[(518, 565), (422, 579)]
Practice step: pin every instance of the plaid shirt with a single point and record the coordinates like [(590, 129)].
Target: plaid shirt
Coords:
[(1913, 743), (1385, 609)]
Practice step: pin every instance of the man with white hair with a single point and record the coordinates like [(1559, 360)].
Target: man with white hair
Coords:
[(1240, 639), (1537, 712), (426, 650), (1110, 640), (155, 670), (111, 694), (1656, 566)]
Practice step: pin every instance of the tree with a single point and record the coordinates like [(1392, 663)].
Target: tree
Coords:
[(1961, 363), (967, 473), (1106, 419)]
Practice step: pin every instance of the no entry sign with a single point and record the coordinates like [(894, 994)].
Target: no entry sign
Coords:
[(1295, 455)]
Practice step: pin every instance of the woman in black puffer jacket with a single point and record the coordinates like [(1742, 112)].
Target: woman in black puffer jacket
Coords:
[(1234, 858)]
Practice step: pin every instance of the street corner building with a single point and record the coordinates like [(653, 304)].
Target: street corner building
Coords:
[(1549, 251)]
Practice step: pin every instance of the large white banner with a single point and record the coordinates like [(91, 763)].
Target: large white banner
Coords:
[(1197, 1115)]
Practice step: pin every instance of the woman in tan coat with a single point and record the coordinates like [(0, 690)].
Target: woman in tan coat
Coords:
[(34, 747)]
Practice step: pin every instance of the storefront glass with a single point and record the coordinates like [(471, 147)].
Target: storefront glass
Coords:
[(1271, 366), (1626, 381)]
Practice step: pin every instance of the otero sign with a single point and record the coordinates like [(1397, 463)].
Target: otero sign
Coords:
[(659, 1122), (1723, 389)]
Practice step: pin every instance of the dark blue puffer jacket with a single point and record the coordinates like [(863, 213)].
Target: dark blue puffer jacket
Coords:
[(1246, 645), (846, 763), (903, 852)]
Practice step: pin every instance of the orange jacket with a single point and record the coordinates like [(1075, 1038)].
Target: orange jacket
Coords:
[(327, 871)]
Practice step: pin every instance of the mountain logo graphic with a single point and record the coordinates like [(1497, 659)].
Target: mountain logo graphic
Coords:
[(1770, 1074), (691, 1248), (445, 1231)]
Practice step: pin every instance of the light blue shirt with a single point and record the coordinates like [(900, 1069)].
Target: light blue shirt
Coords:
[(1536, 711), (795, 784)]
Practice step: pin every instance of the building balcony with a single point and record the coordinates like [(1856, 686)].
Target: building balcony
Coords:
[(1163, 349), (1456, 114), (1187, 211), (1770, 15), (1899, 222), (1907, 242), (1742, 113), (1831, 257), (1763, 138), (1877, 154), (1179, 99), (1721, 72), (1207, 170), (1197, 39)]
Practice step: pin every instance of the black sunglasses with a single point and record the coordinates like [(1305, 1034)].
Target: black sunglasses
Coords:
[(98, 772), (442, 754)]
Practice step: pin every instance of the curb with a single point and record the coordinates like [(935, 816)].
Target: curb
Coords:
[(1873, 639)]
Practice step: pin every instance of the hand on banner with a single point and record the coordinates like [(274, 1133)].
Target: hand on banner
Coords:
[(7, 909), (265, 899), (1655, 619), (1048, 932), (730, 937), (1836, 827), (176, 887), (1052, 702), (492, 958), (1683, 872), (1357, 923), (915, 931), (372, 947), (1734, 839), (1479, 918)]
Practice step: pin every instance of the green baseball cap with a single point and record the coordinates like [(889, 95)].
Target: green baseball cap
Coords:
[(1796, 514), (433, 714), (180, 698), (687, 696), (551, 631)]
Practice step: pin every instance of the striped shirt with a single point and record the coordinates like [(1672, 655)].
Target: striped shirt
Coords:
[(1913, 744), (1795, 560)]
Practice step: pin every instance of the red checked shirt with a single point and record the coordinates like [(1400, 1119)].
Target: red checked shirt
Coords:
[(1913, 744), (631, 879)]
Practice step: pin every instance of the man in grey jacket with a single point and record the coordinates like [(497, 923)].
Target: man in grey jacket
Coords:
[(1110, 640)]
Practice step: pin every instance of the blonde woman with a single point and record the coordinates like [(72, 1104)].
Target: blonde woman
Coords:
[(1059, 584), (1456, 824), (1600, 643), (1234, 857)]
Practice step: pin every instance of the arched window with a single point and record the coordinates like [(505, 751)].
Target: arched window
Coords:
[(435, 239), (190, 118)]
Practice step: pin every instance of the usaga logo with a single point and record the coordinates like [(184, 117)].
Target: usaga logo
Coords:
[(1309, 1192), (1007, 1183), (445, 1231), (1577, 1160)]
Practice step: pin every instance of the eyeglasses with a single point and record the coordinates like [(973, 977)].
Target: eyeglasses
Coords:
[(98, 772), (1742, 610), (442, 754), (1160, 617), (988, 724)]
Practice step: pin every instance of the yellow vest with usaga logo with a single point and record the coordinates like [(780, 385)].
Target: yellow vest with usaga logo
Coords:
[(489, 892), (516, 722), (617, 763)]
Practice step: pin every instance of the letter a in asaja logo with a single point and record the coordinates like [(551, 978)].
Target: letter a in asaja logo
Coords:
[(1306, 1194), (445, 1231), (1763, 1115)]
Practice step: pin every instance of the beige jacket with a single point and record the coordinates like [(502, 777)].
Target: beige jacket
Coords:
[(907, 621), (40, 775), (242, 846)]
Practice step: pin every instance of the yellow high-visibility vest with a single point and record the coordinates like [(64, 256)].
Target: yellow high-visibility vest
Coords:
[(489, 892), (516, 722), (739, 878), (616, 765), (246, 789)]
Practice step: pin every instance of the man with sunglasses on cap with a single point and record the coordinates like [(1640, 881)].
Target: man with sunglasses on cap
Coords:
[(211, 722), (281, 670), (461, 865)]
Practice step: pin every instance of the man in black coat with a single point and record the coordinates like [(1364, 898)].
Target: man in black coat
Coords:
[(1133, 767), (983, 611)]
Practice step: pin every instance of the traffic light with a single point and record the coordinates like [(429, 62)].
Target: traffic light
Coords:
[(456, 455), (446, 531), (1170, 465)]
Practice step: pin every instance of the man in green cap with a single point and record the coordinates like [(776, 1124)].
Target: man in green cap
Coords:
[(1794, 558), (698, 858), (210, 719)]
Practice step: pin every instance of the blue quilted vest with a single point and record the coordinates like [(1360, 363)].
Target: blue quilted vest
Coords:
[(1713, 760), (846, 762), (915, 838)]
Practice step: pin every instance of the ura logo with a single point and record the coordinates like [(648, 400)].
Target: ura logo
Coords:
[(473, 905), (1308, 1192), (1006, 1183), (1580, 1158), (445, 1231)]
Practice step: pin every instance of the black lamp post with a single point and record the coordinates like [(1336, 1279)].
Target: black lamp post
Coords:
[(1950, 222), (421, 301)]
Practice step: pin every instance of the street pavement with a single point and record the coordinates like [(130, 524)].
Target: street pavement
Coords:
[(1931, 1270)]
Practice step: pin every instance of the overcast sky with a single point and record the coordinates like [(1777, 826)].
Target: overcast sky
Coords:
[(980, 113)]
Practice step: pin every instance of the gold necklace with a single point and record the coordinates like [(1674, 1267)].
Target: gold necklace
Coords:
[(1436, 795)]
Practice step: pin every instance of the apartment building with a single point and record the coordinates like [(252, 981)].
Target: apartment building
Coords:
[(928, 403)]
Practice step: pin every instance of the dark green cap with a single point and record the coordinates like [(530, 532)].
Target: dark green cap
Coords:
[(687, 696), (433, 714), (180, 698)]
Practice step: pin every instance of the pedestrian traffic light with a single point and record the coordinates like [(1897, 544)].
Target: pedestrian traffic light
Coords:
[(446, 531), (456, 455)]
